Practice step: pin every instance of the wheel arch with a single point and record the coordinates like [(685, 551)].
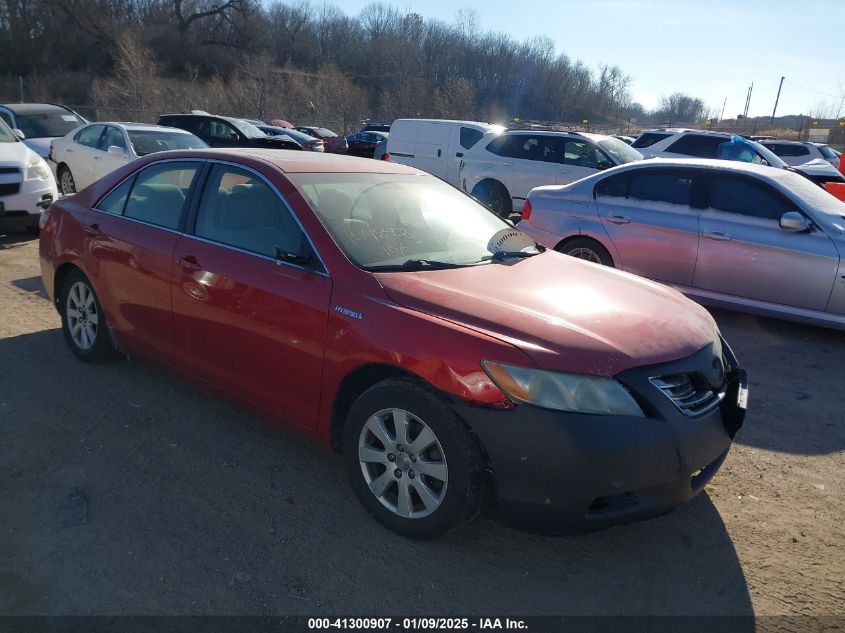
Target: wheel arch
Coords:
[(59, 277), (614, 256)]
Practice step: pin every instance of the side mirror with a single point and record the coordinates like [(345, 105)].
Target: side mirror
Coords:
[(115, 150), (19, 134), (794, 221)]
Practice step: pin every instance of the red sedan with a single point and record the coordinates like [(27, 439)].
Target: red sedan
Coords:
[(390, 317)]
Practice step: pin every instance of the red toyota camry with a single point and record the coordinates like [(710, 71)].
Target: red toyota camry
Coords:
[(390, 317)]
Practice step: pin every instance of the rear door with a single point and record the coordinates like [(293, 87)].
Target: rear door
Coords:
[(649, 216), (744, 252), (530, 160), (245, 321), (133, 232)]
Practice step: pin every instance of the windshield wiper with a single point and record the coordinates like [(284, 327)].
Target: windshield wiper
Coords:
[(502, 255), (418, 264)]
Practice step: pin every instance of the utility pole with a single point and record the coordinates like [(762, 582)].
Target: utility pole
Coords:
[(748, 100), (722, 116), (776, 100), (20, 84)]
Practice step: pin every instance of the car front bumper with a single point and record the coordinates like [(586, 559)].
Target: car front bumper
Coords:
[(24, 207), (560, 472)]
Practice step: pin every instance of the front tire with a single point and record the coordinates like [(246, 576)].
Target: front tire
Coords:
[(411, 461), (83, 321), (67, 185), (493, 195)]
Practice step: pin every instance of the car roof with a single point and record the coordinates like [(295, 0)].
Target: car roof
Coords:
[(784, 141), (139, 127), (701, 163), (295, 161), (35, 108)]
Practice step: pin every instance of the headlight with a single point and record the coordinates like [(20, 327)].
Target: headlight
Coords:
[(565, 392), (37, 168)]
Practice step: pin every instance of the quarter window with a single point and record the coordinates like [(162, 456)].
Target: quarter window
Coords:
[(745, 196), (159, 193), (89, 136), (116, 199), (239, 209), (614, 186), (661, 185), (531, 147)]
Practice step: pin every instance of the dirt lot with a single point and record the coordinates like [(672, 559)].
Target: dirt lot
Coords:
[(196, 507)]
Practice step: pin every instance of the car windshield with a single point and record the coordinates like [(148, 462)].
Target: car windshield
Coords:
[(387, 221), (621, 151), (149, 141), (247, 129), (47, 124), (768, 155), (6, 135)]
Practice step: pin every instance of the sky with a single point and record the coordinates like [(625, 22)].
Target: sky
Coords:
[(713, 50)]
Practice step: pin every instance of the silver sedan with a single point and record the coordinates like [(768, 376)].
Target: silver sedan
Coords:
[(728, 234)]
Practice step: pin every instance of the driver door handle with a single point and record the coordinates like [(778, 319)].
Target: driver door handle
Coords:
[(188, 262), (618, 219), (93, 229), (718, 236)]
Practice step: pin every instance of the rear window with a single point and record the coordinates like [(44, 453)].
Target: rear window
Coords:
[(647, 139), (48, 124), (697, 145), (149, 141), (827, 152)]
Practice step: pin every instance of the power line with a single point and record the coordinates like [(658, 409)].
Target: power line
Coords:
[(818, 92)]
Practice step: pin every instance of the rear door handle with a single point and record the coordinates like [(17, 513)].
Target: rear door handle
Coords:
[(618, 219), (93, 229), (718, 236), (188, 262)]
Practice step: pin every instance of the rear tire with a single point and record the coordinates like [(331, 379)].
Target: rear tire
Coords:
[(420, 482), (67, 185), (83, 320), (493, 195), (587, 249)]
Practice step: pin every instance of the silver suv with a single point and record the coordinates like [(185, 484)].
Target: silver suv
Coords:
[(800, 152)]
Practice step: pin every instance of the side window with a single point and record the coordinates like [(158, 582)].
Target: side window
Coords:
[(532, 147), (698, 145), (579, 154), (661, 185), (746, 196), (239, 209), (470, 137), (647, 139), (615, 186), (113, 136), (89, 136), (115, 201), (7, 119), (222, 131), (159, 193)]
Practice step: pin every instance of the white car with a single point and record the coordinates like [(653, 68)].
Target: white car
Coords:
[(501, 169), (800, 152), (40, 123), (27, 185), (683, 143), (94, 150)]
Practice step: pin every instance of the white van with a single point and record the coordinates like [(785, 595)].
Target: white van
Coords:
[(435, 145)]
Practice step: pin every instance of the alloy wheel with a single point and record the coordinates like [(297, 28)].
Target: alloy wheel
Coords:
[(403, 463), (585, 253), (67, 183), (82, 316)]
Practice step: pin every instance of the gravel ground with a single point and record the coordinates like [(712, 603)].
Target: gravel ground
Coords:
[(195, 507)]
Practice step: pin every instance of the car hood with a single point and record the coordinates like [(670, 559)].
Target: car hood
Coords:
[(566, 314), (14, 154), (40, 146)]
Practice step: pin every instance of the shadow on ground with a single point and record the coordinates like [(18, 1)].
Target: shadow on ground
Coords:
[(196, 507), (792, 364)]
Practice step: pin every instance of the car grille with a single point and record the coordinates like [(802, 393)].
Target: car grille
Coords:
[(9, 188), (688, 393), (9, 170)]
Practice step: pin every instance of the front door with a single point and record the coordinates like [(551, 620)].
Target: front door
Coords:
[(244, 320), (104, 162), (744, 252), (649, 218)]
